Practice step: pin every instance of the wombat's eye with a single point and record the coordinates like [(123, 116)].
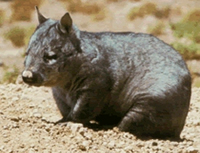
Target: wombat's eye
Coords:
[(50, 57)]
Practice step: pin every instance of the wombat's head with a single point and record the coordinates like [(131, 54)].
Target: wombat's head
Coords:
[(51, 52)]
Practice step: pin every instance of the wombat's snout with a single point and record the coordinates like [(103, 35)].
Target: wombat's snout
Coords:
[(31, 78)]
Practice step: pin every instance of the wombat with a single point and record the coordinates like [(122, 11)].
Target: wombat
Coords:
[(132, 80)]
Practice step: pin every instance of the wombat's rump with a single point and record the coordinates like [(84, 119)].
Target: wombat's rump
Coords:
[(131, 80)]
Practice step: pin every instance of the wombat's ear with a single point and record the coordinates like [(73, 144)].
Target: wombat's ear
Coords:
[(65, 23), (41, 18)]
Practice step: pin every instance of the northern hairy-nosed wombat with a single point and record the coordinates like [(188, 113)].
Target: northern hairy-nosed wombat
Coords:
[(132, 80)]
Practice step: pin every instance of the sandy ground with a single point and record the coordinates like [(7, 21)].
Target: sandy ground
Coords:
[(26, 124)]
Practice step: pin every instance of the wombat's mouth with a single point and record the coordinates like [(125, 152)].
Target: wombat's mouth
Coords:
[(32, 78)]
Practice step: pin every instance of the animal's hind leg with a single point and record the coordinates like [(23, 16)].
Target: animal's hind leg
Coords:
[(145, 123), (136, 123)]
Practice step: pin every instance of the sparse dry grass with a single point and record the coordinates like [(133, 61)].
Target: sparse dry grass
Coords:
[(193, 16), (188, 28), (149, 8), (83, 7), (163, 12), (141, 11), (10, 75), (110, 1), (29, 31), (22, 9), (100, 16), (157, 29), (191, 51), (16, 35), (19, 36), (2, 15)]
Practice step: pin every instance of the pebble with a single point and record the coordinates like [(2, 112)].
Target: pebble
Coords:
[(82, 147), (88, 136), (15, 125), (14, 99), (6, 140), (37, 115), (74, 127), (128, 148), (154, 143), (86, 143), (2, 147), (14, 118), (19, 88), (5, 127), (19, 80), (191, 149), (81, 139), (111, 144), (22, 146)]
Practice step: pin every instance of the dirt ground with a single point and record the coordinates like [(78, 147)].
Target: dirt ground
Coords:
[(26, 124), (27, 113)]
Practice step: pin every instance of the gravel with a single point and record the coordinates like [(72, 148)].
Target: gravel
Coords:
[(26, 124)]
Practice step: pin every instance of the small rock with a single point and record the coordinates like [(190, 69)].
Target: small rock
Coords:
[(2, 147), (10, 151), (22, 146), (31, 150), (18, 88), (100, 133), (111, 144), (82, 147), (154, 143), (5, 127), (121, 143), (47, 129), (32, 146), (74, 127), (14, 118), (115, 129), (15, 125), (31, 105), (19, 80), (6, 140), (128, 148), (139, 145), (15, 99), (88, 136), (86, 143), (175, 143), (191, 149), (37, 115), (5, 135)]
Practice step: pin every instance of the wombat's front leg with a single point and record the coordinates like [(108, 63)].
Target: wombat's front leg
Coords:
[(63, 103), (88, 105)]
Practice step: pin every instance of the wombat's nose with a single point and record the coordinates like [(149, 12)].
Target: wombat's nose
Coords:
[(27, 76), (30, 77)]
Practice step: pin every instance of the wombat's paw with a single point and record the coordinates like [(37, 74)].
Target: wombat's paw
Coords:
[(62, 122)]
